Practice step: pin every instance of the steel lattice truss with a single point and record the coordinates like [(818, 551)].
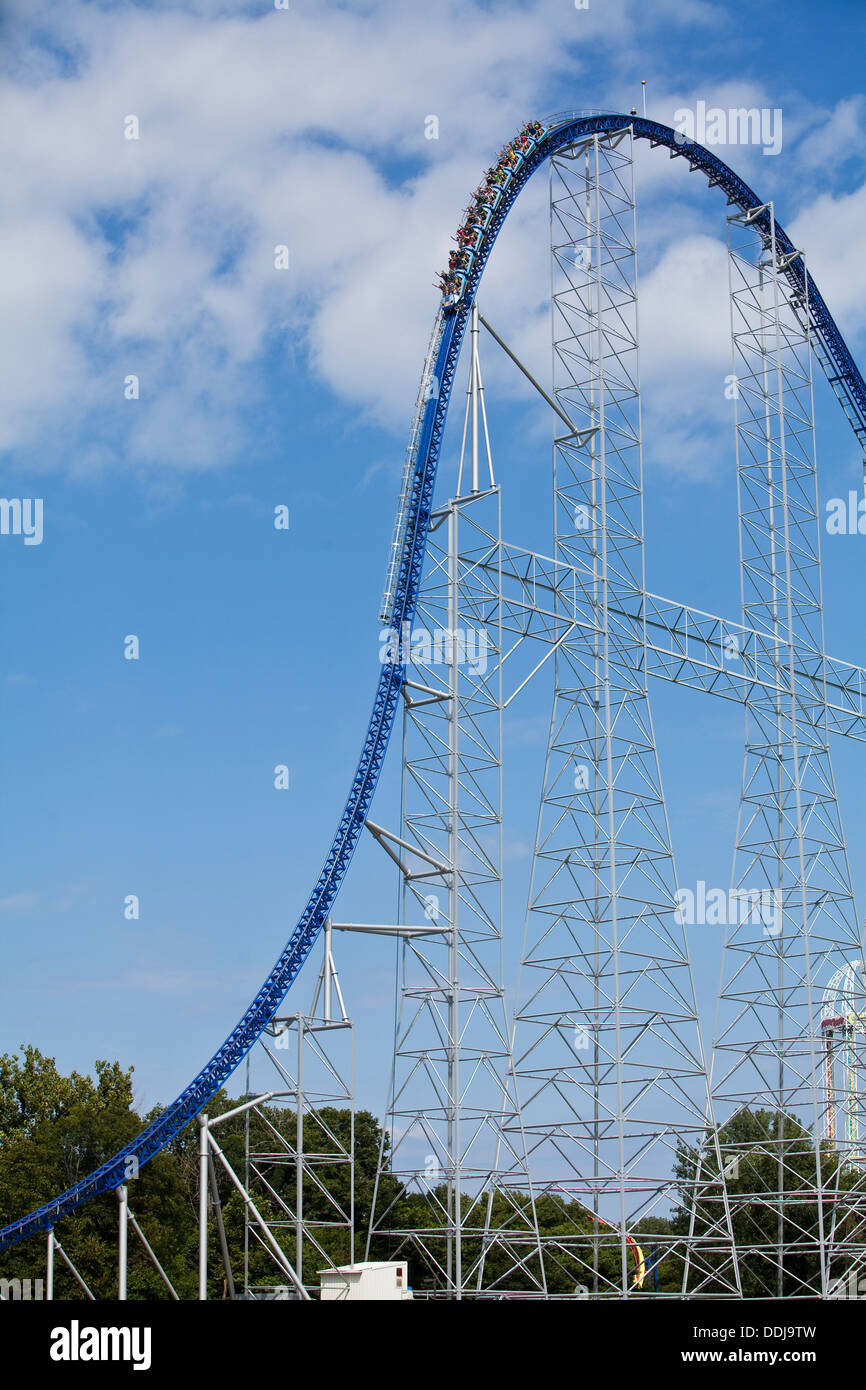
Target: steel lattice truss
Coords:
[(790, 843), (610, 1058), (452, 1065), (609, 1113)]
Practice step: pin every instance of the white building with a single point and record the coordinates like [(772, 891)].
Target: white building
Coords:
[(382, 1280)]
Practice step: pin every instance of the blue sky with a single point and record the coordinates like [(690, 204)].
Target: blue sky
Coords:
[(259, 387)]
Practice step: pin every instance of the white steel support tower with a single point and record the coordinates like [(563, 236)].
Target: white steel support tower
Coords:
[(465, 1233), (799, 1213), (310, 1070), (611, 1069), (290, 1155)]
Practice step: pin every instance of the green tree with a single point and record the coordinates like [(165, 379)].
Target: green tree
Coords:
[(765, 1152), (56, 1129)]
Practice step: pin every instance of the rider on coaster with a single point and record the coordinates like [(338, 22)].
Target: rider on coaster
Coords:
[(484, 197), (447, 283)]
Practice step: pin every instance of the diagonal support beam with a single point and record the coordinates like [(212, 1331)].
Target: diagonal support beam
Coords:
[(531, 379)]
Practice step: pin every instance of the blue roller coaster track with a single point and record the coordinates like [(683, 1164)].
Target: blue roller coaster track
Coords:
[(404, 581)]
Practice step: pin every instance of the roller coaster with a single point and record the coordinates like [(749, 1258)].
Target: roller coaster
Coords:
[(538, 143)]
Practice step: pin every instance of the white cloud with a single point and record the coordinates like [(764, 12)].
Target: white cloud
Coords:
[(155, 256), (685, 320), (837, 137), (686, 356), (830, 232)]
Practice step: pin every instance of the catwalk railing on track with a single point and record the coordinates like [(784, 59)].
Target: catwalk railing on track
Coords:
[(411, 534)]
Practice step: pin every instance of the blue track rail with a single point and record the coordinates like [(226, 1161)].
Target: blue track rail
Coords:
[(846, 380)]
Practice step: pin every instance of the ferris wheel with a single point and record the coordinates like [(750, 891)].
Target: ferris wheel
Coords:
[(843, 1025)]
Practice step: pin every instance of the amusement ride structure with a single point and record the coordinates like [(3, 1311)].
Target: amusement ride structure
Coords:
[(557, 1137)]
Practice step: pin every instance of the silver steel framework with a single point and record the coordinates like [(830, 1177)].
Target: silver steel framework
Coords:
[(295, 1128), (311, 1062), (609, 1055), (799, 1212), (452, 1066), (311, 1066), (608, 1117)]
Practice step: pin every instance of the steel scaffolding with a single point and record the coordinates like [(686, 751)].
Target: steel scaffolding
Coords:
[(609, 1055), (295, 1173), (624, 1165), (452, 1063), (799, 1213)]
